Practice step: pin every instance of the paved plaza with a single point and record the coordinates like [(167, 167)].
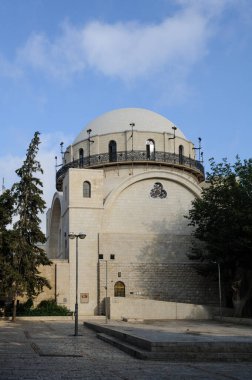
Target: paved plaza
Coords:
[(48, 350)]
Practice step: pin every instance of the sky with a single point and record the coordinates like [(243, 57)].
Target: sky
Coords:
[(65, 62)]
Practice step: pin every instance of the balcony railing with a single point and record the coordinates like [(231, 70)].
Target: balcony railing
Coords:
[(136, 156)]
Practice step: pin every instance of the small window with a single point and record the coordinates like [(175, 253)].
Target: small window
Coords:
[(86, 189), (150, 149), (100, 256), (112, 257), (119, 289)]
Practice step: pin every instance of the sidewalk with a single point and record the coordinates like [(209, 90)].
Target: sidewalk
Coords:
[(48, 350)]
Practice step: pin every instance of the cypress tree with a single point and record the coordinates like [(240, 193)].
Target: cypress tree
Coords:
[(27, 234), (6, 255)]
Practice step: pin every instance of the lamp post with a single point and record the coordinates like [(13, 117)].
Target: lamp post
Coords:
[(106, 296), (199, 149), (71, 235), (219, 277), (219, 283), (173, 138), (132, 146), (89, 145)]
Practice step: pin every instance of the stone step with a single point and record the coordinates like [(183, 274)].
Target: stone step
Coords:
[(204, 343), (203, 355)]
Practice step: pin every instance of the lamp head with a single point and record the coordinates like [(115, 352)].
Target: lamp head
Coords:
[(80, 235)]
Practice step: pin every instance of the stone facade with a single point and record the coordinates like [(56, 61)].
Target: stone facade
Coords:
[(128, 188)]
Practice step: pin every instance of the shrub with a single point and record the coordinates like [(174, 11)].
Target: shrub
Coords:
[(44, 308)]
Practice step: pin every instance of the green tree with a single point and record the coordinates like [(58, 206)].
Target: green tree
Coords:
[(222, 221), (27, 234), (6, 269)]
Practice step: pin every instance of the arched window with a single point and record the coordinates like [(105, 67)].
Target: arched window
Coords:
[(86, 189), (150, 149), (112, 151), (81, 157), (119, 289), (181, 154)]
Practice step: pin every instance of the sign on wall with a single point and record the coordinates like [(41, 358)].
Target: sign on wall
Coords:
[(84, 298)]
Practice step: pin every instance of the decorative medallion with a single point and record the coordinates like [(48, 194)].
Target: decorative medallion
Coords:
[(158, 191)]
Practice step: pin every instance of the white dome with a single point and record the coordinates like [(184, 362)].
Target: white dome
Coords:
[(119, 121)]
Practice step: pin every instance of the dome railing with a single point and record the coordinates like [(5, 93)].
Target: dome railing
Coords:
[(104, 159)]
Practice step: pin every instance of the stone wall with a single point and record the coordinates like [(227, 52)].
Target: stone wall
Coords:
[(141, 309), (165, 282)]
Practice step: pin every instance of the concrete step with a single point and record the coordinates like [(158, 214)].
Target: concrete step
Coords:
[(203, 355), (204, 343)]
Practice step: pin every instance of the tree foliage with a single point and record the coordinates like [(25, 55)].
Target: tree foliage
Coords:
[(26, 235), (6, 270), (222, 220)]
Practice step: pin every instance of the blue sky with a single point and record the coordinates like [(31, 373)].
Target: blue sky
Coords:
[(64, 62)]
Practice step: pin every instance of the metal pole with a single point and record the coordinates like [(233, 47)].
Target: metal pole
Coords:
[(76, 294), (219, 276), (106, 294), (132, 137), (72, 236)]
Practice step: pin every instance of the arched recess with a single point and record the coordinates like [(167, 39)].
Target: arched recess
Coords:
[(54, 246), (86, 189), (81, 157), (119, 289), (150, 149), (112, 151), (181, 154), (155, 175)]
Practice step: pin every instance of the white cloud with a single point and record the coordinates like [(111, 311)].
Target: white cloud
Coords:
[(60, 58), (133, 50), (8, 69), (125, 50)]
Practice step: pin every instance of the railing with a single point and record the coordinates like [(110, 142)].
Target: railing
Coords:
[(105, 159)]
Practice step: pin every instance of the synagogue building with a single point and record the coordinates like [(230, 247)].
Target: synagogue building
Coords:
[(123, 190)]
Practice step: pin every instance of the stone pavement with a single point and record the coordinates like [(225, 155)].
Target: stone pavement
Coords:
[(48, 350)]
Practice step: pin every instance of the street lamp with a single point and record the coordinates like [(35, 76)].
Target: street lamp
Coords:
[(199, 149), (219, 283), (89, 145), (132, 126), (71, 235), (173, 138), (106, 296), (219, 278)]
